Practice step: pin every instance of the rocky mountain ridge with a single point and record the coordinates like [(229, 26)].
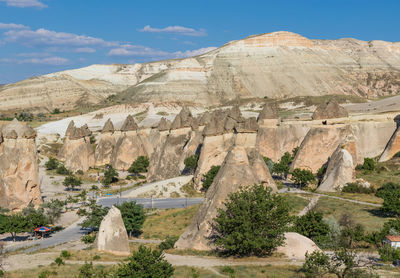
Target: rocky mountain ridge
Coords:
[(274, 65)]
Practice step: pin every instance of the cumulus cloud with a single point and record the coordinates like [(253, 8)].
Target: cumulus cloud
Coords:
[(43, 37), (142, 51), (10, 26), (181, 30), (85, 50), (24, 3)]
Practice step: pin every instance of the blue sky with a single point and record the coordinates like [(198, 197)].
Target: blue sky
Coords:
[(43, 36)]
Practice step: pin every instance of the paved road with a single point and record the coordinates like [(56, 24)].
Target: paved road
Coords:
[(152, 203), (74, 232)]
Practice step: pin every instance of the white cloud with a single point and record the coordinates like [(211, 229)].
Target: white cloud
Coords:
[(34, 54), (141, 51), (43, 37), (24, 3), (181, 30), (85, 50), (10, 26), (54, 61)]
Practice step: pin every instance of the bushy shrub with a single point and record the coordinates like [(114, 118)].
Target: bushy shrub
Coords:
[(51, 164), (302, 177), (89, 238), (61, 170), (311, 225), (65, 254), (252, 223), (191, 162), (110, 175), (270, 164), (168, 243), (368, 165), (146, 263), (388, 253), (140, 165), (357, 188), (390, 193), (209, 177)]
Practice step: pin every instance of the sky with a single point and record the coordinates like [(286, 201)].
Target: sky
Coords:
[(44, 36)]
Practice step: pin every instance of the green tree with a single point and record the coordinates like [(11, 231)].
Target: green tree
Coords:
[(252, 223), (71, 182), (53, 209), (89, 271), (390, 193), (51, 164), (34, 217), (14, 224), (133, 216), (191, 162), (146, 263), (311, 225), (389, 254), (140, 165), (110, 175), (209, 177), (368, 165), (94, 215), (302, 177), (61, 170), (283, 166), (270, 164), (343, 263)]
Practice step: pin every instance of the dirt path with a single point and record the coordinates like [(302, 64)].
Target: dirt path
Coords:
[(310, 206)]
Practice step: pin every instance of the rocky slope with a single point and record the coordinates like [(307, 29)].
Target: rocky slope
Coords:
[(274, 65)]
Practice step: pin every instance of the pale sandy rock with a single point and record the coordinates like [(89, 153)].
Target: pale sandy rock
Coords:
[(112, 236), (129, 124), (213, 153), (216, 124), (77, 154), (205, 118), (270, 111), (318, 145), (393, 146), (274, 141), (81, 132), (273, 65), (127, 149), (329, 110), (19, 171), (164, 124), (339, 172), (183, 119), (108, 127), (167, 160), (247, 126), (296, 246), (70, 128), (16, 129), (104, 149), (237, 170)]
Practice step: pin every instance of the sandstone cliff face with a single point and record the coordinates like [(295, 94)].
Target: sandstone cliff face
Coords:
[(105, 146), (19, 171), (77, 153), (240, 168), (318, 146), (182, 141), (275, 65), (393, 145), (339, 172), (329, 110), (112, 236)]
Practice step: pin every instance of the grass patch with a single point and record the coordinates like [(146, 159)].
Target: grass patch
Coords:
[(170, 222), (296, 203), (362, 214), (369, 198), (190, 191), (385, 172), (286, 271)]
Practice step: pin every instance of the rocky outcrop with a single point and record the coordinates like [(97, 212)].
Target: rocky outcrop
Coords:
[(77, 153), (296, 246), (269, 115), (318, 145), (112, 236), (329, 110), (240, 168), (164, 125), (128, 147), (393, 145), (339, 172), (273, 141), (105, 145), (237, 69), (182, 141), (19, 171)]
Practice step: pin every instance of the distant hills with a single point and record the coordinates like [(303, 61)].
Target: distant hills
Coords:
[(274, 65)]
